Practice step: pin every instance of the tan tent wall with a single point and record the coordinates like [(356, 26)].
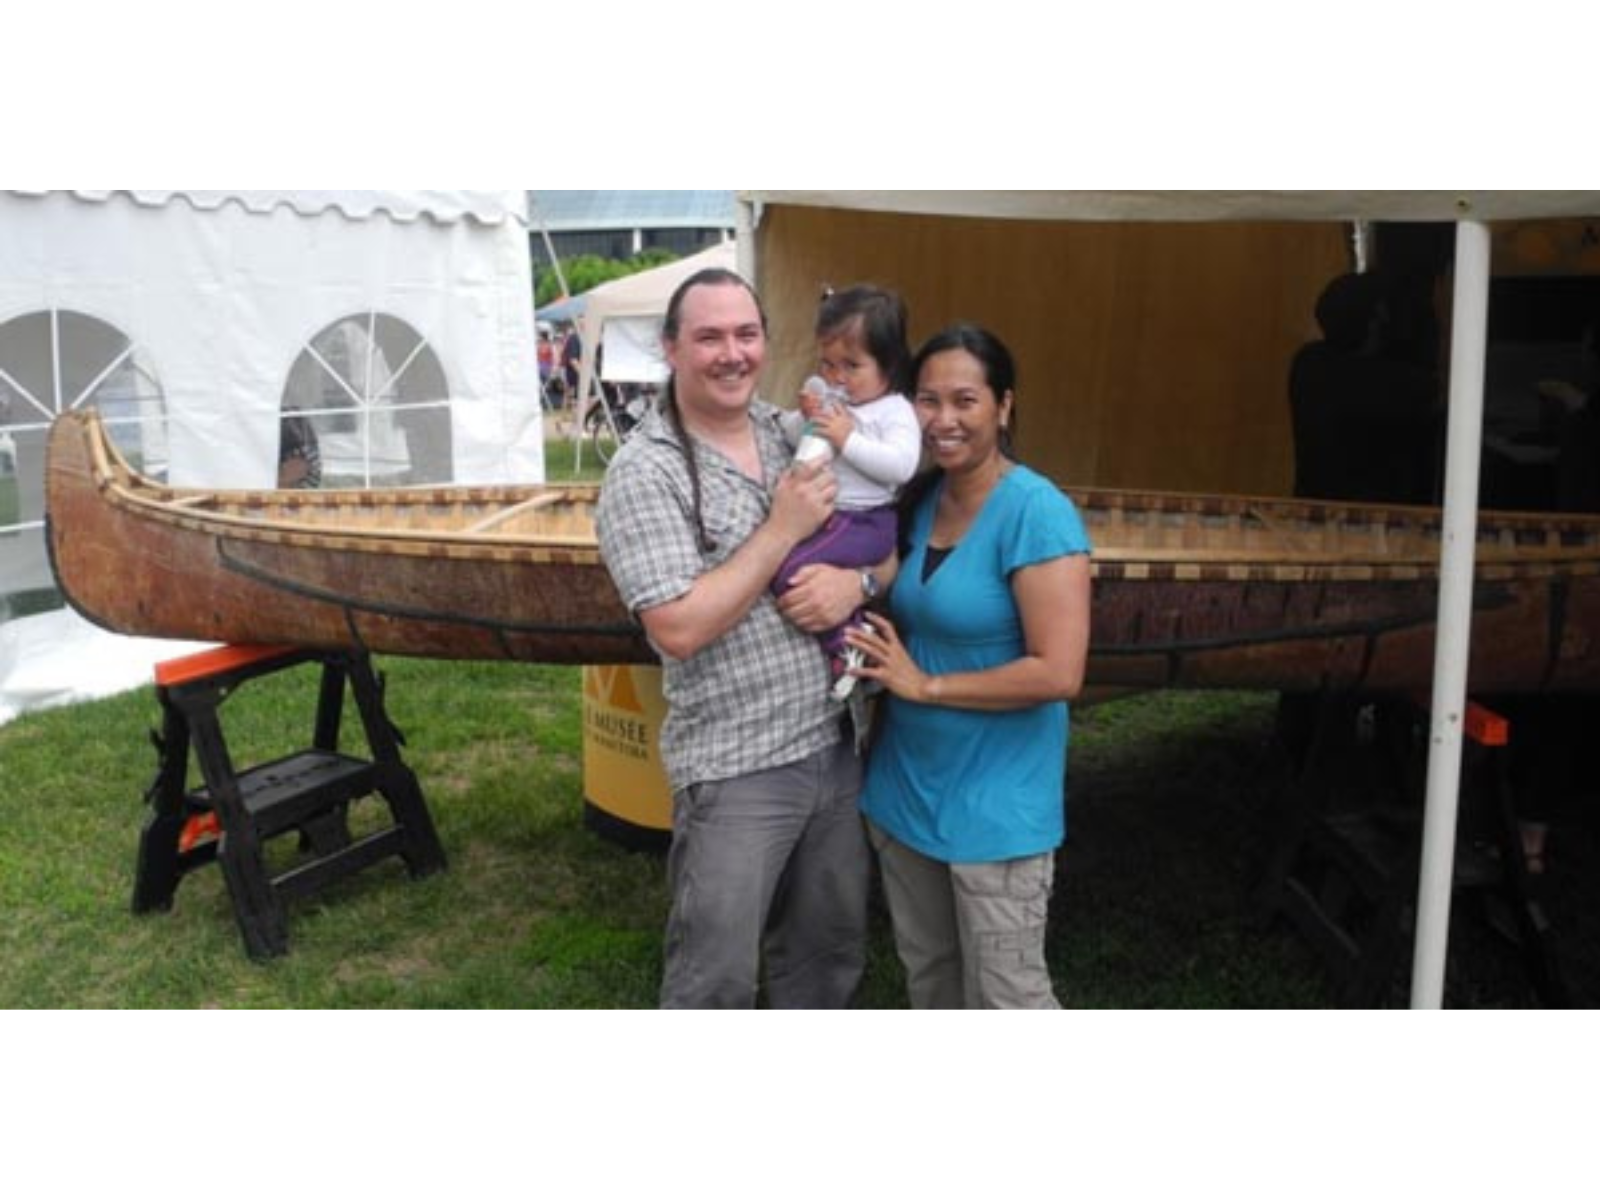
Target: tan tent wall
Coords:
[(1149, 355), (1570, 247)]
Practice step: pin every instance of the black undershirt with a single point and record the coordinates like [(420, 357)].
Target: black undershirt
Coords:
[(932, 559)]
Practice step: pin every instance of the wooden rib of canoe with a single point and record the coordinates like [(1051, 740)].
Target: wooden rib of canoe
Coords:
[(1190, 591)]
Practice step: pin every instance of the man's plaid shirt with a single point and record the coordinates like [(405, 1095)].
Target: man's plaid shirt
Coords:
[(757, 697)]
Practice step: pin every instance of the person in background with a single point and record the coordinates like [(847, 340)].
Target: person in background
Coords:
[(986, 642), (874, 443), (769, 866), (1366, 422), (1550, 760), (299, 455), (547, 364), (571, 368), (1570, 412)]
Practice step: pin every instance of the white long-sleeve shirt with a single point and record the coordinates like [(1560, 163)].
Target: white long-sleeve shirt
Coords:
[(880, 455)]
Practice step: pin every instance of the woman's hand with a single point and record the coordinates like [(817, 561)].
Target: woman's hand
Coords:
[(821, 597), (889, 662)]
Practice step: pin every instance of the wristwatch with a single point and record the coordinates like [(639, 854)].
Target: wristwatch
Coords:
[(869, 585)]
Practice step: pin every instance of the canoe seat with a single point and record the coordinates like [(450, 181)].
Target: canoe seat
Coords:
[(234, 813)]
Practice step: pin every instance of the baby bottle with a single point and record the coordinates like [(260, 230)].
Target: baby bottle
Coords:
[(812, 444)]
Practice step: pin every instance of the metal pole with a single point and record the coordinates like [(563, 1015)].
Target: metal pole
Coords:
[(1469, 337), (746, 218), (549, 247), (577, 409)]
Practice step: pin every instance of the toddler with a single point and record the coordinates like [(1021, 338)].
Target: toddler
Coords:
[(857, 413)]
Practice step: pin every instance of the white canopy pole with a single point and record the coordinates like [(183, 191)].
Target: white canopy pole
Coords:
[(1469, 337), (746, 217)]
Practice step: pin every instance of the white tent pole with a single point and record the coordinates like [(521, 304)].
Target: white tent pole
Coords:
[(745, 220), (1469, 338)]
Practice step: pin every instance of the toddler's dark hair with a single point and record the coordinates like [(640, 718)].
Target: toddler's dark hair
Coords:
[(878, 317)]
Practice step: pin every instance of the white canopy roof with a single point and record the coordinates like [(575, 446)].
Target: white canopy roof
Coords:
[(636, 305), (486, 208), (1208, 206)]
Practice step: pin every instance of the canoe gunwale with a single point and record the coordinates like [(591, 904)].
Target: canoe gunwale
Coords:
[(1288, 558), (123, 487)]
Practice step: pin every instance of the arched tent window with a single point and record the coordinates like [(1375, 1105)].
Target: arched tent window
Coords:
[(53, 361), (376, 398)]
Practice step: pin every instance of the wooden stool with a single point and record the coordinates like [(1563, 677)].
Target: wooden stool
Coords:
[(231, 817)]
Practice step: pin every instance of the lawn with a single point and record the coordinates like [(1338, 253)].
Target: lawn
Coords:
[(1173, 799), (561, 456), (536, 910)]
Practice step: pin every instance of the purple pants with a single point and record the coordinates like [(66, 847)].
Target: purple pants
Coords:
[(849, 539)]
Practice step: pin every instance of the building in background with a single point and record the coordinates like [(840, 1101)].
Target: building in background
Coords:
[(619, 225)]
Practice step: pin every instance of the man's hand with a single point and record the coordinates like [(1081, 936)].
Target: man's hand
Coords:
[(803, 501)]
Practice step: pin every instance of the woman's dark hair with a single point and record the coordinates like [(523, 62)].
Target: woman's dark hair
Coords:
[(710, 277), (880, 317), (999, 372), (999, 368)]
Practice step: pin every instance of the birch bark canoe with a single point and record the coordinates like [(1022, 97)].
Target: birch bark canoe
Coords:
[(1190, 591)]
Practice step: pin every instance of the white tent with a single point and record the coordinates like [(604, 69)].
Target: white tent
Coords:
[(399, 323), (625, 315), (783, 228)]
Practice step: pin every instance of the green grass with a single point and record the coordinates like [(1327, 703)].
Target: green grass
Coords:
[(1173, 799), (561, 453), (497, 748), (537, 911)]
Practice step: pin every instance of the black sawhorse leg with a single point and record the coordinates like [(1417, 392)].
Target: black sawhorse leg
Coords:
[(1517, 890), (1347, 878), (420, 847)]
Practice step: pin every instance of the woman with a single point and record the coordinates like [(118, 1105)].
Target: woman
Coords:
[(990, 632)]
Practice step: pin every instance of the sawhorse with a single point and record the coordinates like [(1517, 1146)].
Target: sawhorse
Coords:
[(1347, 879), (235, 813)]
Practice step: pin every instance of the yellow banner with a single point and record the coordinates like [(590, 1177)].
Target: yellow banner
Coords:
[(622, 773)]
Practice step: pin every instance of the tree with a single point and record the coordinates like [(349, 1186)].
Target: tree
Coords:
[(589, 271)]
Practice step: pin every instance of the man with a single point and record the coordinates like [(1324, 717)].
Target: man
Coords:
[(299, 455), (1365, 423), (546, 352), (697, 512), (572, 367)]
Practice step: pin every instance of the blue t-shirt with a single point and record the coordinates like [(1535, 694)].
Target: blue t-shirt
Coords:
[(960, 785)]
